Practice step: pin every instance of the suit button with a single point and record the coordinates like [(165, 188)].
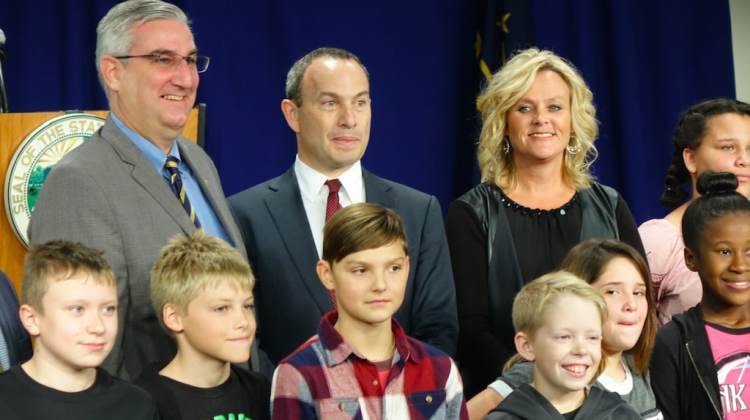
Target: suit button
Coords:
[(428, 399), (374, 381), (342, 406)]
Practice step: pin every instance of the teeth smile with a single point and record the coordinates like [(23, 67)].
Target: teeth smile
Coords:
[(542, 135), (740, 283), (576, 368), (173, 97)]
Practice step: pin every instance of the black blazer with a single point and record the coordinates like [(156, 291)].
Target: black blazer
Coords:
[(290, 298), (16, 337)]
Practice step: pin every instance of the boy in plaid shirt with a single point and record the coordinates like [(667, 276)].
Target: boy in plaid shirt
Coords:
[(360, 364)]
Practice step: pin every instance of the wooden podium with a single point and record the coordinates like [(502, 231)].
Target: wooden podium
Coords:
[(14, 128)]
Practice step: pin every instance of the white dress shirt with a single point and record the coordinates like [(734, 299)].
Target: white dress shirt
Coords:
[(315, 195)]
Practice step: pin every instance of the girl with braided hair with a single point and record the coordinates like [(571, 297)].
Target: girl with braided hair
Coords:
[(712, 135)]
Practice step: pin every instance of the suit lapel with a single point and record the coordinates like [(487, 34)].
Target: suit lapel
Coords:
[(377, 191), (146, 175), (213, 192), (289, 216)]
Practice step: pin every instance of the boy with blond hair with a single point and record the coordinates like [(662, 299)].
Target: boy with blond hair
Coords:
[(361, 364), (202, 292), (558, 320), (69, 307)]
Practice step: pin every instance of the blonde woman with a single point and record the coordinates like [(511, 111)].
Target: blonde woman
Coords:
[(538, 200)]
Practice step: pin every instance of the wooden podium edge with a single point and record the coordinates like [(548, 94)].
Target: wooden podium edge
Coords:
[(14, 128)]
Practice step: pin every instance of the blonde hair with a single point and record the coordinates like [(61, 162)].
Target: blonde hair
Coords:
[(505, 88), (188, 266), (60, 260), (538, 296)]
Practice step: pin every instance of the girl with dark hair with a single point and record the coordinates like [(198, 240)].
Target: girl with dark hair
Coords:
[(712, 135), (701, 360), (620, 273)]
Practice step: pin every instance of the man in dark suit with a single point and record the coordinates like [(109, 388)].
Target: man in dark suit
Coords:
[(15, 344), (328, 107), (123, 190)]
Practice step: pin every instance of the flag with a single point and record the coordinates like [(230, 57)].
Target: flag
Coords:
[(503, 26)]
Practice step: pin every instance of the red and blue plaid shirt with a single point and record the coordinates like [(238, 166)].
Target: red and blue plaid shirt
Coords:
[(326, 378)]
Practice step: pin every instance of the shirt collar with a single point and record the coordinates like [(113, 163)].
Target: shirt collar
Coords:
[(338, 350), (150, 150), (311, 181)]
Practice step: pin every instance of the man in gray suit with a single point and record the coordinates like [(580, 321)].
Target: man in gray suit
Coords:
[(328, 107), (123, 190)]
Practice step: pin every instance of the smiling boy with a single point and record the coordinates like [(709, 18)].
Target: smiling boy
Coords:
[(558, 320), (201, 289), (361, 363), (69, 306)]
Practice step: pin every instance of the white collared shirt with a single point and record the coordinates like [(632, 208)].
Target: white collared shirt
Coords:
[(315, 195)]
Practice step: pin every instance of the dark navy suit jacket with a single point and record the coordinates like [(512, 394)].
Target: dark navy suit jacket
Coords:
[(16, 337), (290, 298)]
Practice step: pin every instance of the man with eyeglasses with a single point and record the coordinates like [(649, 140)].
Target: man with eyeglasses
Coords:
[(136, 182)]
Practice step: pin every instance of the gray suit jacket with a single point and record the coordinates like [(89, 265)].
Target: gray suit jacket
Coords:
[(290, 298), (107, 195)]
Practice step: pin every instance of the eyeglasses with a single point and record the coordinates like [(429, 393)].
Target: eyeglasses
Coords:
[(172, 62)]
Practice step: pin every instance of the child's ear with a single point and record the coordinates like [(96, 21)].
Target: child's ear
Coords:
[(690, 260), (172, 318), (29, 319), (406, 265), (324, 273), (523, 346), (688, 156)]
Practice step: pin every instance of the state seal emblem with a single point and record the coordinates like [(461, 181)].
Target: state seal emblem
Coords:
[(35, 158)]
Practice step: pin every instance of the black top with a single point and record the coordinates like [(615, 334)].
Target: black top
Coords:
[(22, 398), (683, 371), (245, 395), (571, 415), (541, 239)]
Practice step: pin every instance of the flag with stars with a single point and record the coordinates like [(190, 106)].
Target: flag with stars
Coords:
[(503, 26)]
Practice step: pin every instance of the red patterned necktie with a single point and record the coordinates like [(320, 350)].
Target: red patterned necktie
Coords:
[(332, 207)]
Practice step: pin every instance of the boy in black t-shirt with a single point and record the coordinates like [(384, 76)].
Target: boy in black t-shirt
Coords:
[(201, 289), (69, 306)]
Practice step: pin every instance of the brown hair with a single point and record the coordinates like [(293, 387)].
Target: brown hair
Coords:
[(538, 296), (296, 74), (359, 227), (691, 129), (60, 260), (588, 260), (188, 266)]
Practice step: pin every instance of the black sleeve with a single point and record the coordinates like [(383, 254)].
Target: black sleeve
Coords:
[(479, 352), (627, 228), (664, 371)]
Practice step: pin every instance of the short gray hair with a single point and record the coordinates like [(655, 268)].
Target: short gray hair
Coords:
[(114, 35), (297, 72)]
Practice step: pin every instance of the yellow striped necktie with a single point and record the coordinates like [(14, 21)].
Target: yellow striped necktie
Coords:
[(179, 189)]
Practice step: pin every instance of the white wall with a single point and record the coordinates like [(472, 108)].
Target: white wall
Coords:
[(740, 13)]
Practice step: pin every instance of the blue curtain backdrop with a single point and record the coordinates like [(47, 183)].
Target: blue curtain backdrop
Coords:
[(644, 60)]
